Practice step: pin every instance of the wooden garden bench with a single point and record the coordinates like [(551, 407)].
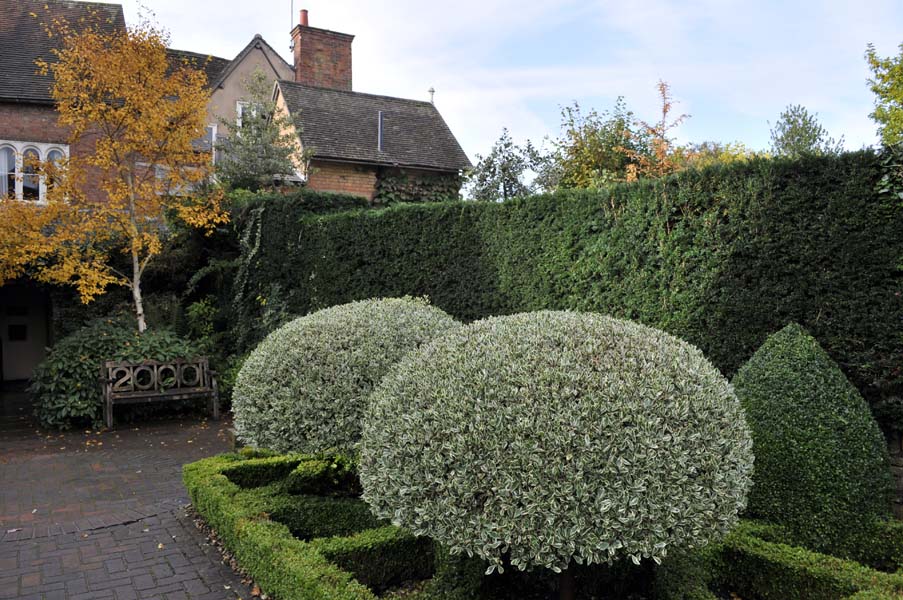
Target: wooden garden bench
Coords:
[(153, 381)]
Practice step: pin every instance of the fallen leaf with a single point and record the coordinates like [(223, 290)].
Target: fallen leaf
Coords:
[(159, 546)]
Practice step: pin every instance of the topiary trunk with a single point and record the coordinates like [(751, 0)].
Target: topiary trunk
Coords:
[(567, 585)]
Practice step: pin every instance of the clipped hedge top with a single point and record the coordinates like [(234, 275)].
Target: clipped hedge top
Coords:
[(557, 436), (303, 389), (821, 461)]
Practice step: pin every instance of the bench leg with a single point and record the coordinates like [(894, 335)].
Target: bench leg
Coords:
[(108, 414)]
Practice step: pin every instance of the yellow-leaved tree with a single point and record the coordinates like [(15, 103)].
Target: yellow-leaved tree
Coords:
[(134, 117)]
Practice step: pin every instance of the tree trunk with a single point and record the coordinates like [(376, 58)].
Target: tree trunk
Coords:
[(137, 267), (566, 585), (136, 293)]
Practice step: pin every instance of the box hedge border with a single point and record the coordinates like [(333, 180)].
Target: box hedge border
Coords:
[(753, 560), (286, 567)]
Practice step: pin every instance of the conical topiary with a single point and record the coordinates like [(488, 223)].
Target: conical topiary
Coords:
[(821, 461)]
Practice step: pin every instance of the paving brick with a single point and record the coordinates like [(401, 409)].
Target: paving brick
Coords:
[(99, 522)]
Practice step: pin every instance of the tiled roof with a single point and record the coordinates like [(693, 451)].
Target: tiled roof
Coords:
[(256, 42), (23, 39), (213, 66), (343, 125)]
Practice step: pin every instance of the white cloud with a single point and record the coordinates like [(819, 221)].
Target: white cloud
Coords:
[(734, 64)]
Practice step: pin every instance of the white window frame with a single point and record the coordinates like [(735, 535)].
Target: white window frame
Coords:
[(213, 135), (240, 106), (43, 149)]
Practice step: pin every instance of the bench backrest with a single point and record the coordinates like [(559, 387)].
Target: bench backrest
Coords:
[(157, 377)]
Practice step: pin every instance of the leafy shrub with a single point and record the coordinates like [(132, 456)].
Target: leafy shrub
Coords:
[(303, 389), (66, 386), (554, 437), (821, 462)]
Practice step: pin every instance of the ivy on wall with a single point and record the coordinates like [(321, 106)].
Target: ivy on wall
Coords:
[(398, 185)]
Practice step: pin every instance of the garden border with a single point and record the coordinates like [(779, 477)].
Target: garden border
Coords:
[(751, 556)]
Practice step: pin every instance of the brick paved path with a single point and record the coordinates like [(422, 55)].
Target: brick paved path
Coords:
[(101, 516)]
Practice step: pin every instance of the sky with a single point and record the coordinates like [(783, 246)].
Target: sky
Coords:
[(733, 65)]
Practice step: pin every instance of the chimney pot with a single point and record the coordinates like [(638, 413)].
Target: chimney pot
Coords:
[(303, 20)]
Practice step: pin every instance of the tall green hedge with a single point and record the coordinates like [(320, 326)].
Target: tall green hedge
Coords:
[(721, 257)]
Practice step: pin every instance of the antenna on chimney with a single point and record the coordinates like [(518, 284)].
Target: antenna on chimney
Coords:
[(291, 44), (432, 92)]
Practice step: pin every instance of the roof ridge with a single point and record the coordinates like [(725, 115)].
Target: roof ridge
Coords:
[(355, 93), (257, 39)]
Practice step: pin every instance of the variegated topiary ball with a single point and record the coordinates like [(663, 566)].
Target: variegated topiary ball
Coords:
[(554, 437), (304, 388)]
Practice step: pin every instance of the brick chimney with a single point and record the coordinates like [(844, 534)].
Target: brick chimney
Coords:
[(322, 57)]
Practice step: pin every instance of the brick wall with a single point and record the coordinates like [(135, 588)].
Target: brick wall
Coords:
[(322, 57), (343, 178), (38, 123)]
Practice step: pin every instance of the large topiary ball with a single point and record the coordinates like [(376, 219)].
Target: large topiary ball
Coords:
[(66, 386), (557, 436), (304, 388), (821, 461)]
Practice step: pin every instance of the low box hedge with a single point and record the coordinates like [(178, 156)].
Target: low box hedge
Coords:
[(753, 560), (381, 558), (309, 517), (286, 567), (329, 476), (257, 472)]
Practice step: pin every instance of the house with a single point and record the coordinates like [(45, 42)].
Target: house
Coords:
[(355, 141), (29, 314), (28, 129), (226, 79)]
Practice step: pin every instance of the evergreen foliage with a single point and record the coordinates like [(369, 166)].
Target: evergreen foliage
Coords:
[(551, 438), (821, 462), (305, 387), (721, 257), (66, 386)]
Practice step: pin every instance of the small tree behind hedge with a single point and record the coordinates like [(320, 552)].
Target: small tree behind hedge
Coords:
[(553, 438), (304, 388), (821, 461)]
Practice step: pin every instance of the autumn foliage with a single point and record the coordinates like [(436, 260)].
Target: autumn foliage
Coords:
[(662, 159), (142, 113)]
